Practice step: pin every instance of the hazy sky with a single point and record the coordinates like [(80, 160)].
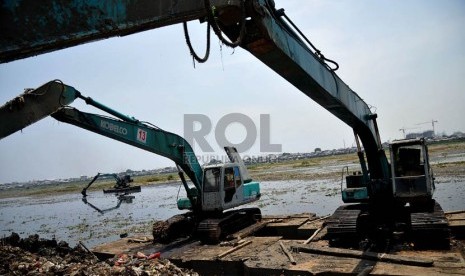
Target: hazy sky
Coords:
[(405, 58)]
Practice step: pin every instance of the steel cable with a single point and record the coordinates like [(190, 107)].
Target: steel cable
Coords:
[(191, 49)]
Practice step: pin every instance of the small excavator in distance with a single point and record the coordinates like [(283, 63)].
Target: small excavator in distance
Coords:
[(216, 188), (122, 184), (386, 198), (121, 189)]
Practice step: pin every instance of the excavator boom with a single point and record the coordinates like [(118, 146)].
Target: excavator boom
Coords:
[(142, 136), (30, 28), (270, 39), (52, 99)]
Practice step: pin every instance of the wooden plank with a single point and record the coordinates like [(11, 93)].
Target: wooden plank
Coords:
[(318, 219), (250, 230), (381, 257), (288, 254), (291, 222), (143, 240), (233, 249), (454, 212), (312, 236), (304, 215)]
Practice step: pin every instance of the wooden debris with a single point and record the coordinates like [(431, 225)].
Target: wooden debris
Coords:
[(144, 240), (305, 215), (87, 249), (227, 252), (232, 243), (288, 254), (454, 212), (318, 219), (313, 236), (250, 230), (381, 257)]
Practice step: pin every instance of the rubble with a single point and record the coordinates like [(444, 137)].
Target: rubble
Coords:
[(35, 256)]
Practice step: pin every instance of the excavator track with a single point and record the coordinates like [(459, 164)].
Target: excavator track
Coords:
[(430, 227), (343, 223), (212, 230), (351, 223)]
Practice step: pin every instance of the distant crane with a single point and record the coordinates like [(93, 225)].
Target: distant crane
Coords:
[(430, 122), (403, 129)]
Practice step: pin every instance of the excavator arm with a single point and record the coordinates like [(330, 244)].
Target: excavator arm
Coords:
[(53, 98), (277, 44), (139, 135)]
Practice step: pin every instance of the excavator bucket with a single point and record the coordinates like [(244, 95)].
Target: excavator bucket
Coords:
[(34, 105)]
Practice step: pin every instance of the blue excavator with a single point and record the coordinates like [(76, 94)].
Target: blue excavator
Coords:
[(386, 198), (214, 190)]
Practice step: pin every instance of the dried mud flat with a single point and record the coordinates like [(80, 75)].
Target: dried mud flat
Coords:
[(35, 256)]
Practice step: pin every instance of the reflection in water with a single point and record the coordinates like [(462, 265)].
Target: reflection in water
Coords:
[(65, 217), (123, 198)]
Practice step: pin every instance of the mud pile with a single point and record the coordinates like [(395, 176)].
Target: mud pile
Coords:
[(178, 226), (35, 256)]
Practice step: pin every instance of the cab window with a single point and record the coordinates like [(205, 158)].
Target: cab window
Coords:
[(408, 161), (211, 179), (229, 178), (237, 176)]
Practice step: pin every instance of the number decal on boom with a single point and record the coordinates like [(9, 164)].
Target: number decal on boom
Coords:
[(141, 135)]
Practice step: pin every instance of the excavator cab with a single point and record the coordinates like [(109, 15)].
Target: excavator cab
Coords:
[(412, 177), (356, 189), (225, 188), (225, 185)]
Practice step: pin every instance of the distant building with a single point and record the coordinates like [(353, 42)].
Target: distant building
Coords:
[(424, 134)]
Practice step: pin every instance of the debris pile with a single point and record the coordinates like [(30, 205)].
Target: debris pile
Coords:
[(35, 256), (141, 264), (178, 226)]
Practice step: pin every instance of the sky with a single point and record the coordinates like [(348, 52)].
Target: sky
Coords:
[(404, 58)]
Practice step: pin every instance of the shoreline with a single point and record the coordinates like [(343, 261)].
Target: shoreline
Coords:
[(443, 159)]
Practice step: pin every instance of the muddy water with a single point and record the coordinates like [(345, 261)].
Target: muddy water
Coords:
[(66, 217)]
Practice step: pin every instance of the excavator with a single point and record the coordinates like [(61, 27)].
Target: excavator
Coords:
[(385, 198), (122, 190), (216, 188), (122, 184)]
